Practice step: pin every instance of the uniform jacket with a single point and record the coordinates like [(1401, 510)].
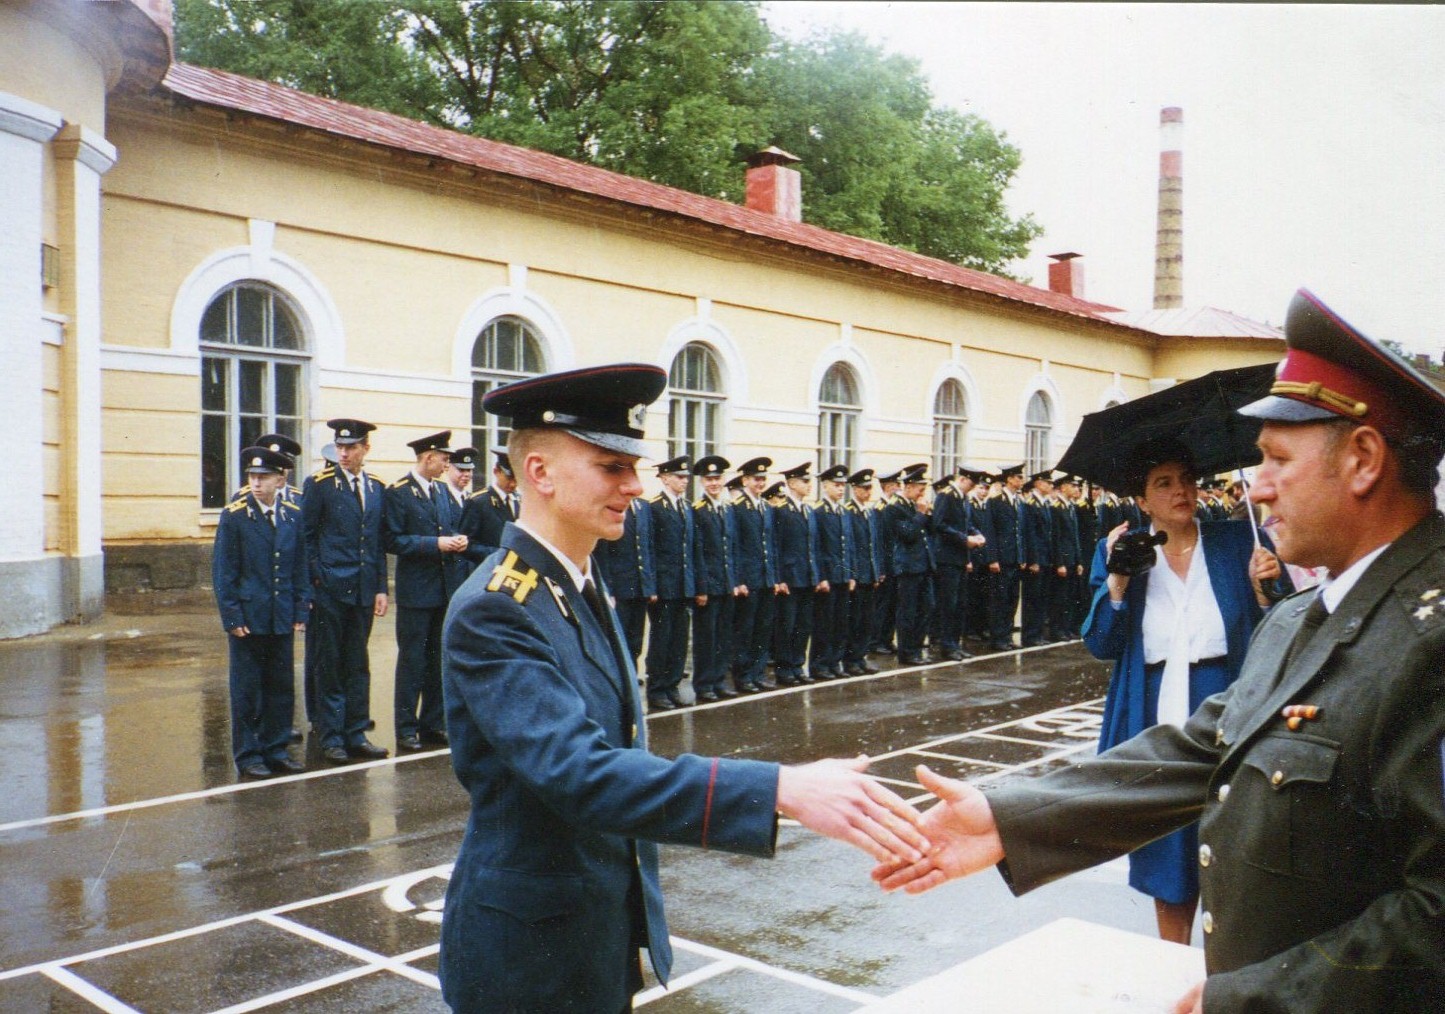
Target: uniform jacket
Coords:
[(485, 514), (345, 548), (1006, 520), (793, 527), (425, 576), (627, 562), (1064, 543), (259, 572), (1038, 531), (832, 543), (548, 740), (1089, 531), (863, 531), (713, 545), (1322, 849), (912, 551), (887, 530), (952, 525), (979, 514), (755, 556), (674, 549)]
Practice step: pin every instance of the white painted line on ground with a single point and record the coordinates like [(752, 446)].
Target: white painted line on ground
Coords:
[(305, 989), (89, 991), (682, 982), (1001, 738), (351, 950), (785, 974)]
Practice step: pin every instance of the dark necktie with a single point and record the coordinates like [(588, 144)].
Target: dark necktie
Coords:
[(1315, 616), (269, 515), (356, 491)]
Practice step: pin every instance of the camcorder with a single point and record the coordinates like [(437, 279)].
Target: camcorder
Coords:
[(1133, 553)]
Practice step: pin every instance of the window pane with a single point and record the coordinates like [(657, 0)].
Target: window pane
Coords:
[(251, 426), (531, 354), (214, 322), (506, 345), (288, 389), (215, 384), (253, 386), (215, 489), (284, 332), (250, 316), (1039, 411)]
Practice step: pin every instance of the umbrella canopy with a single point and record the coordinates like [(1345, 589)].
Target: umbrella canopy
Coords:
[(1201, 413)]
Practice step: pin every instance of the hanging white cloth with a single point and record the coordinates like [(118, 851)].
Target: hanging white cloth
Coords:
[(1182, 625)]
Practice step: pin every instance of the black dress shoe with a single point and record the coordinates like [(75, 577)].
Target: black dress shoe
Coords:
[(883, 649), (370, 724), (869, 668), (910, 659), (853, 669), (285, 766), (751, 688), (255, 772), (336, 755), (964, 654), (708, 697), (1002, 646), (408, 743), (366, 750), (294, 736), (727, 693), (435, 737), (676, 699), (954, 655), (660, 704)]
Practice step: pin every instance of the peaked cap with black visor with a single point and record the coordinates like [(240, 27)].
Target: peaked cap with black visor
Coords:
[(605, 406)]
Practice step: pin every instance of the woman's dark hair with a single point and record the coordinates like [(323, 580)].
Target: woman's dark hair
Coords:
[(1152, 453)]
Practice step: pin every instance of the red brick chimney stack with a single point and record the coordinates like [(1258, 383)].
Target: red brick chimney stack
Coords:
[(1169, 237), (1066, 274), (773, 186)]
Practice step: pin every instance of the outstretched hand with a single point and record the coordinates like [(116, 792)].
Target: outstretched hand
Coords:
[(835, 798), (963, 834)]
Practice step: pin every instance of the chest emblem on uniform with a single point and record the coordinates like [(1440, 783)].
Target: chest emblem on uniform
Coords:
[(561, 598)]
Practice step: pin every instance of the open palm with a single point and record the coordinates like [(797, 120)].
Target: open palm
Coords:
[(962, 831)]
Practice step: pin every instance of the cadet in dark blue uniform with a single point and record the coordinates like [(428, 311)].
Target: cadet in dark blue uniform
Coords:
[(885, 607), (457, 481), (674, 556), (1035, 577), (976, 615), (343, 514), (756, 572), (258, 572), (793, 535), (488, 510), (421, 532), (955, 535), (556, 887), (867, 568), (712, 615), (913, 563), (833, 549), (1005, 557), (1068, 562), (627, 567)]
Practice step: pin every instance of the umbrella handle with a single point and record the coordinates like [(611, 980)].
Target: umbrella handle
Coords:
[(1249, 509)]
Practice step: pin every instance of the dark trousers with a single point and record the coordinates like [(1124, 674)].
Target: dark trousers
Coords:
[(1064, 615), (976, 614), (343, 670), (950, 602), (830, 627), (667, 645), (308, 677), (861, 609), (418, 696), (1003, 602), (263, 692), (712, 642), (1035, 594), (915, 606), (632, 614), (885, 613), (752, 634), (793, 628)]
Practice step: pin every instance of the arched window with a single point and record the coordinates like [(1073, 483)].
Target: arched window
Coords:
[(1038, 428), (253, 358), (838, 410), (506, 350), (950, 423), (694, 385)]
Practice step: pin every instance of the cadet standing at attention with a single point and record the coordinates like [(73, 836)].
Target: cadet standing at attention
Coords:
[(487, 510), (1005, 557), (258, 572), (343, 514), (793, 534), (712, 615), (867, 572), (757, 573), (627, 567), (674, 554), (885, 608), (555, 889), (913, 563), (421, 532)]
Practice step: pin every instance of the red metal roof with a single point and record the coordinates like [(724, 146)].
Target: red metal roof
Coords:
[(261, 98)]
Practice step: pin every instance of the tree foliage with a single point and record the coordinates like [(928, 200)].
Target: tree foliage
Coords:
[(679, 93)]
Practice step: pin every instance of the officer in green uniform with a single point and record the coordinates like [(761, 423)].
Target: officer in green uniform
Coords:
[(1317, 776)]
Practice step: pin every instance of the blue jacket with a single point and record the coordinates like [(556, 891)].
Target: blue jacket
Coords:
[(345, 549), (674, 550), (952, 525), (912, 551), (832, 544), (627, 562), (484, 516), (1006, 520), (259, 572), (425, 576), (713, 547), (755, 556), (793, 528), (863, 532), (1118, 634), (549, 742), (1038, 531), (887, 531), (1066, 549)]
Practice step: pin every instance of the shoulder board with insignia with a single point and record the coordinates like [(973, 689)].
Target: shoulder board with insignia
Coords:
[(236, 505), (324, 473), (657, 498), (514, 576), (741, 501), (293, 505), (398, 484), (242, 491), (700, 503)]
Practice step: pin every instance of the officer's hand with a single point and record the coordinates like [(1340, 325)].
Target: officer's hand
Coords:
[(963, 834), (240, 631), (1191, 1002), (1062, 571), (993, 568), (700, 599), (1033, 568), (298, 627), (835, 798), (976, 540), (822, 586), (1079, 570), (780, 589), (741, 591), (379, 608), (853, 585), (651, 599)]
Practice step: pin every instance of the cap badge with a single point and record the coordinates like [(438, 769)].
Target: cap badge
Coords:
[(255, 461), (549, 416), (637, 415), (345, 433)]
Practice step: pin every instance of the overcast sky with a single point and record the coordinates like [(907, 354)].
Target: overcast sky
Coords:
[(1314, 138)]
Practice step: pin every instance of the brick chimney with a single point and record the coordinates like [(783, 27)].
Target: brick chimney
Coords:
[(1169, 234), (773, 186), (1066, 274)]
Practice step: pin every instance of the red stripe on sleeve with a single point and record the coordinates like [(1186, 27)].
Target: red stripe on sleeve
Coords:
[(707, 808)]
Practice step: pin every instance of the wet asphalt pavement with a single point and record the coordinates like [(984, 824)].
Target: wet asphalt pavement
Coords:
[(139, 876)]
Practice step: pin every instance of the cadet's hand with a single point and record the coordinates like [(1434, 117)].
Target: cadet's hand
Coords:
[(780, 589), (835, 798), (241, 631), (963, 833), (700, 600), (822, 586), (974, 541), (379, 607), (1191, 1002), (298, 627), (993, 568), (1062, 571)]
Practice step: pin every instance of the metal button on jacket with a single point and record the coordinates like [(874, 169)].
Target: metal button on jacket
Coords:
[(1208, 922), (1206, 855), (1223, 792)]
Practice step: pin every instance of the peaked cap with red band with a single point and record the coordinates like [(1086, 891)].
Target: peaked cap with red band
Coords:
[(606, 406), (1332, 371)]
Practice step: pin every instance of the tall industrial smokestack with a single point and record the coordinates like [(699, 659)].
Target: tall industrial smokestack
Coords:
[(1169, 236)]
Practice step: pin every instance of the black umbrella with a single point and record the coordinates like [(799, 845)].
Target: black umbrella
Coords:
[(1201, 413)]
